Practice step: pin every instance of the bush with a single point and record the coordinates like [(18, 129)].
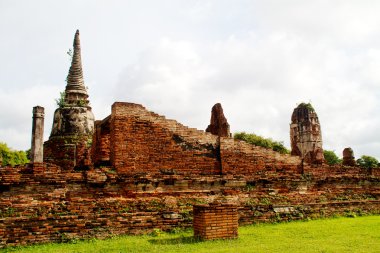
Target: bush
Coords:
[(12, 157), (257, 140), (368, 162), (331, 158), (61, 100)]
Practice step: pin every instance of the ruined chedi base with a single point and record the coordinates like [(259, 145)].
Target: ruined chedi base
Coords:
[(218, 123), (305, 134)]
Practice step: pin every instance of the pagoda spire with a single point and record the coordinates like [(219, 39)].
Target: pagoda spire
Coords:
[(75, 88)]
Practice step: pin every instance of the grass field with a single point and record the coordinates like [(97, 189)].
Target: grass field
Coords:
[(361, 234)]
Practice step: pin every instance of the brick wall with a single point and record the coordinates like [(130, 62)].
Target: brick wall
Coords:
[(47, 203), (215, 221), (239, 157), (143, 142)]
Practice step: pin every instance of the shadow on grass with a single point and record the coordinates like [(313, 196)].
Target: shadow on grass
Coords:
[(179, 240)]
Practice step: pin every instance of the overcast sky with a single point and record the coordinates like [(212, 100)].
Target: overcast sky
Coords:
[(178, 58)]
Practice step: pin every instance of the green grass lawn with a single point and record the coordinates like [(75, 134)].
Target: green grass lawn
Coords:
[(361, 234)]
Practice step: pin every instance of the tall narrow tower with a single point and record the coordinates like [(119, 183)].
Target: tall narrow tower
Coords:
[(73, 123), (305, 134)]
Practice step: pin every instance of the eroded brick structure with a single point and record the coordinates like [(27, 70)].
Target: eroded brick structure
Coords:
[(218, 122), (215, 221), (348, 157), (305, 134), (134, 141)]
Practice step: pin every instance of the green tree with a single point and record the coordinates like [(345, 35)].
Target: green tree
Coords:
[(366, 161), (61, 100), (331, 158), (12, 157), (257, 140)]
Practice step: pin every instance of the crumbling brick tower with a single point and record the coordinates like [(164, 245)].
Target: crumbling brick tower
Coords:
[(73, 124), (305, 134)]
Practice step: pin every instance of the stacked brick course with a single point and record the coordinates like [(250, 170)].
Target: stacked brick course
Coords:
[(215, 221)]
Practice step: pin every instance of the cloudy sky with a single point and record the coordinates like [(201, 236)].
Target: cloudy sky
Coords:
[(178, 58)]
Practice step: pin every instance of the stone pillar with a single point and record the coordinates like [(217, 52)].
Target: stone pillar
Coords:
[(37, 149)]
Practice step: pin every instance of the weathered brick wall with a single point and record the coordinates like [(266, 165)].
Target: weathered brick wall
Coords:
[(144, 142), (239, 157), (47, 203), (215, 221)]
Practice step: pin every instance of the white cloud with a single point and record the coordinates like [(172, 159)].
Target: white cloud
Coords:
[(178, 58), (259, 80)]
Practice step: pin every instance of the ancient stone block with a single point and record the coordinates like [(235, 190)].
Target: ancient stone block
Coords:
[(218, 123), (305, 134)]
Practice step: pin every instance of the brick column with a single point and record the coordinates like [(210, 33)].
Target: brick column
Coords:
[(215, 221), (37, 153)]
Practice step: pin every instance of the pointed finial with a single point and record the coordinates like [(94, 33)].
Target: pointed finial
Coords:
[(76, 39), (75, 83)]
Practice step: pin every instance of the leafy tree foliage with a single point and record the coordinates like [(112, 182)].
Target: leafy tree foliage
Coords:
[(262, 142), (61, 100), (366, 161), (12, 157), (331, 158), (308, 106)]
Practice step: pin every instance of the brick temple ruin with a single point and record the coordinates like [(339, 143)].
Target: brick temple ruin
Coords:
[(136, 170)]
